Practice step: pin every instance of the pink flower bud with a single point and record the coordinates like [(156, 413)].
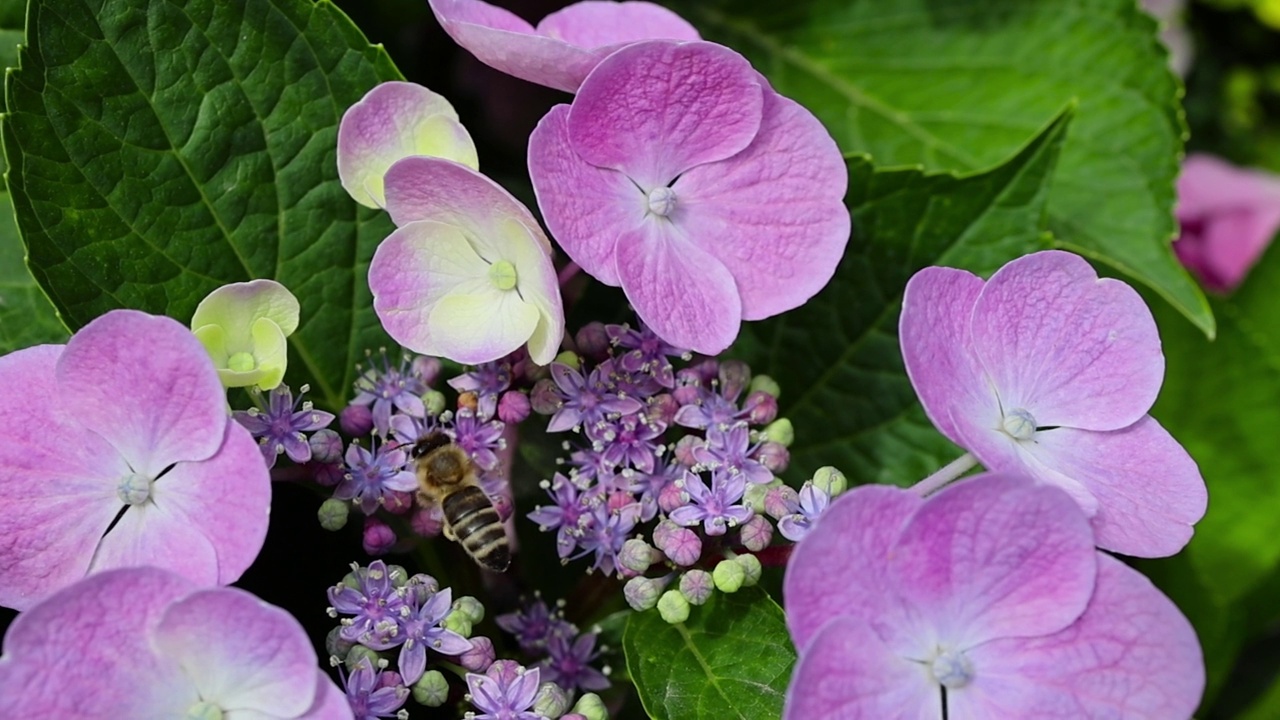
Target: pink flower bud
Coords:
[(378, 537), (480, 657), (356, 420), (734, 375), (592, 340), (326, 446), (774, 456), (326, 474), (514, 407), (686, 394), (761, 407), (780, 501), (662, 409), (756, 534), (670, 498), (502, 503), (543, 398), (397, 502), (427, 368), (427, 521), (684, 547), (684, 448)]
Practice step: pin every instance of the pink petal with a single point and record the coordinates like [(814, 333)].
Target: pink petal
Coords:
[(1070, 348), (396, 120), (655, 109), (683, 294), (57, 484), (330, 702), (933, 330), (847, 673), (1209, 185), (995, 556), (774, 214), (1150, 492), (1222, 247), (227, 498), (146, 384), (504, 42), (102, 664), (594, 24), (585, 207), (841, 566), (157, 536), (428, 188), (1132, 654), (241, 653)]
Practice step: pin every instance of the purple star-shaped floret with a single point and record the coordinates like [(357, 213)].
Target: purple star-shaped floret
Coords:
[(606, 532), (803, 513), (534, 624), (730, 451), (714, 507), (568, 664), (376, 605), (629, 440), (645, 352), (384, 386), (709, 409), (370, 474), (478, 437), (421, 622), (374, 694), (587, 400), (280, 422), (505, 692), (569, 515)]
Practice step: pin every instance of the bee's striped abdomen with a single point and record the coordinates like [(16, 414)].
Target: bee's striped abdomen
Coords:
[(476, 525)]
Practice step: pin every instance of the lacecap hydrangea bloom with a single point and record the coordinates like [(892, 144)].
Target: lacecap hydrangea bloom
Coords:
[(1228, 216), (987, 599), (468, 274), (565, 46), (680, 176), (146, 643), (244, 326), (392, 121), (121, 453), (1049, 371)]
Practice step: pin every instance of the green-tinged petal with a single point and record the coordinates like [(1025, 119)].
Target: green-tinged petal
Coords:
[(482, 326), (214, 339), (270, 352), (236, 306)]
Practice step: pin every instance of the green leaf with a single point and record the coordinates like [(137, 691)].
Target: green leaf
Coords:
[(837, 357), (960, 85), (161, 148), (731, 659)]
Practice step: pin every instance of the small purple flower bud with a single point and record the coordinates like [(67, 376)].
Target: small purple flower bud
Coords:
[(592, 340), (686, 394), (780, 431), (471, 607), (762, 408), (427, 521), (514, 407), (356, 420), (480, 656), (706, 370), (397, 502), (830, 481), (434, 402), (684, 547), (734, 376), (696, 586), (551, 701), (662, 533), (326, 446), (729, 576), (779, 501), (662, 409), (773, 456), (637, 555), (333, 514), (427, 368), (765, 384), (326, 474), (642, 593), (670, 498), (673, 607), (751, 569), (335, 645), (684, 447), (378, 537), (432, 689), (545, 398), (756, 534)]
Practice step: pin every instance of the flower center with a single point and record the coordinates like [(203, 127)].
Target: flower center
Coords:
[(241, 362), (662, 200), (503, 275), (204, 711), (134, 489), (1019, 424), (951, 670)]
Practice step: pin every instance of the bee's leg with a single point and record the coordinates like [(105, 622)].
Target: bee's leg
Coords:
[(448, 532)]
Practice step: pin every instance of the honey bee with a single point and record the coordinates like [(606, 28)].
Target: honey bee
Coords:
[(447, 477)]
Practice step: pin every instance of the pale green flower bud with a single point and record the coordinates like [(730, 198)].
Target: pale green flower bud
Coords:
[(432, 689), (591, 707), (754, 496), (830, 481), (471, 607), (434, 401), (333, 514), (764, 383), (696, 586), (642, 593), (673, 607), (459, 622), (358, 653), (729, 576), (551, 701), (570, 358), (751, 569), (781, 432)]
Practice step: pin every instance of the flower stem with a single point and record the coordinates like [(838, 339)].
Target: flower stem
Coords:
[(949, 472), (568, 272)]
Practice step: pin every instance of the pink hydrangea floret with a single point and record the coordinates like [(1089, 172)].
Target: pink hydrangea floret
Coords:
[(680, 176), (989, 597), (1228, 215), (1050, 371), (121, 452)]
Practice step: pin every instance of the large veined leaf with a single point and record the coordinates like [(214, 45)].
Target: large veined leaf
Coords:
[(161, 148), (731, 659), (837, 357), (961, 84)]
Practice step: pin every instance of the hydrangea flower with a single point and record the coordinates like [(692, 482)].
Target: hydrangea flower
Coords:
[(384, 388), (244, 326), (422, 630), (375, 603), (988, 597), (374, 693), (565, 46), (372, 474), (678, 175), (568, 662), (396, 120), (1048, 370), (145, 643), (122, 453), (468, 274), (718, 508), (505, 692), (1228, 215), (280, 423)]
